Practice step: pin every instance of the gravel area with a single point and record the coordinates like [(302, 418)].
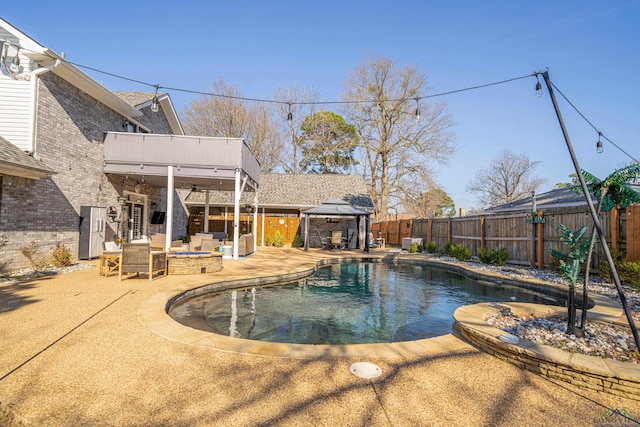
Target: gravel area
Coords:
[(603, 340)]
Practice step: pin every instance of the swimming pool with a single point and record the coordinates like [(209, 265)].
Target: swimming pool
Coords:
[(352, 303)]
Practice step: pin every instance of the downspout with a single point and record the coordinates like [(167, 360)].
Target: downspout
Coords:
[(33, 78)]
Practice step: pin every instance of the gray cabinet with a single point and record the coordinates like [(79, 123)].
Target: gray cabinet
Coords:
[(92, 231)]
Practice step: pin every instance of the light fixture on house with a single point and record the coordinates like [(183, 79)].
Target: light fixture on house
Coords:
[(538, 88), (154, 101), (15, 64), (599, 148)]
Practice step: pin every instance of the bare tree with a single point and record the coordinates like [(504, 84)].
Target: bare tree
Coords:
[(432, 203), (508, 177), (228, 116), (300, 102), (396, 142)]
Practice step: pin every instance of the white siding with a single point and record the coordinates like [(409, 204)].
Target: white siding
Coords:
[(15, 100)]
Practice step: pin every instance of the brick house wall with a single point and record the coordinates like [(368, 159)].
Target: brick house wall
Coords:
[(69, 133)]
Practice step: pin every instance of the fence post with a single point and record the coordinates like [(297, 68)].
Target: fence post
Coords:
[(449, 230), (429, 230), (540, 246), (615, 228), (483, 232)]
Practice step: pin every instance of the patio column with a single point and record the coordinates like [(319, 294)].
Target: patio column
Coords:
[(169, 232), (255, 222), (236, 215), (306, 232), (206, 211)]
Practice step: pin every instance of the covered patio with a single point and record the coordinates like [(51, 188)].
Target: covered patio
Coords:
[(202, 163)]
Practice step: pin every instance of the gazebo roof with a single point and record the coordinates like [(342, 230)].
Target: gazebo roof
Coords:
[(336, 207)]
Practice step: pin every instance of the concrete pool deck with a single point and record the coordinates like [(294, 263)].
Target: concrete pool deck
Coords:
[(75, 352)]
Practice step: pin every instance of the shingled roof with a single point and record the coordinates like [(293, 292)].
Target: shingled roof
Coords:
[(295, 191), (556, 198), (16, 162), (135, 98)]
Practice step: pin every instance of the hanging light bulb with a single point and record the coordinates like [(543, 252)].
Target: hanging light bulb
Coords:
[(599, 148), (290, 114), (417, 108), (15, 64), (154, 102), (538, 88)]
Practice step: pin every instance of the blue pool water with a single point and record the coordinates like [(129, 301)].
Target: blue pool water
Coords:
[(348, 304)]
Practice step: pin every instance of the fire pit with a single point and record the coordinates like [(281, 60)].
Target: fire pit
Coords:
[(194, 262)]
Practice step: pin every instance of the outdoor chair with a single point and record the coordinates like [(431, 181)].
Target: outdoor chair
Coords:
[(195, 242), (138, 258), (336, 240), (210, 245), (325, 241), (109, 258), (158, 241)]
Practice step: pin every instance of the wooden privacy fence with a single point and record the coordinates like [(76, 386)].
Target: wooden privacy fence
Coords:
[(287, 226), (527, 238)]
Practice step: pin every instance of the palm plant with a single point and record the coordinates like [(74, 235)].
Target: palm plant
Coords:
[(613, 191), (570, 264)]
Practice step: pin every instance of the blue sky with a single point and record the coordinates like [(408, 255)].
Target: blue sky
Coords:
[(591, 48)]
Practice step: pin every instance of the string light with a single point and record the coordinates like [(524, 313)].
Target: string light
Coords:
[(599, 148), (538, 87), (417, 114), (154, 102)]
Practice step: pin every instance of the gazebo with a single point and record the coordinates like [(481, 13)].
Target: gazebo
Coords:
[(336, 207)]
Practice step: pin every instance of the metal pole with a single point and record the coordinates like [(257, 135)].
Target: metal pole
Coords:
[(594, 215)]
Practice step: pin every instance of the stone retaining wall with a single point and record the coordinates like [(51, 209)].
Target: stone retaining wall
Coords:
[(195, 264), (595, 373)]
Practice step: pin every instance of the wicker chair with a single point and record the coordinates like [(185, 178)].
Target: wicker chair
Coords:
[(336, 240), (138, 258)]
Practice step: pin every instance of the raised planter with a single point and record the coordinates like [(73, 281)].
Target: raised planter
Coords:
[(595, 373), (194, 262)]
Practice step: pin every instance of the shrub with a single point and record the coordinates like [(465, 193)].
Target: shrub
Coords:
[(61, 256), (497, 256), (460, 252), (278, 240), (486, 255), (4, 264), (35, 256), (500, 256), (431, 247), (448, 248), (628, 271), (414, 248), (268, 241), (298, 241)]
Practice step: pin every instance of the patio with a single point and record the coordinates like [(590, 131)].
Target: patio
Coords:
[(75, 353)]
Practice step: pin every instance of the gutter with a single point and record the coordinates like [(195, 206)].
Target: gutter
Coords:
[(33, 77)]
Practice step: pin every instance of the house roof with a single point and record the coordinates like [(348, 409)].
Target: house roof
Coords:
[(16, 162), (557, 198), (140, 100), (295, 192)]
